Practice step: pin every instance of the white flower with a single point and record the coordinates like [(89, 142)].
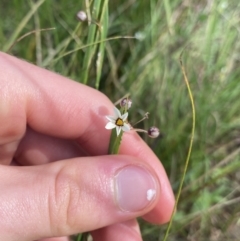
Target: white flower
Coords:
[(118, 121)]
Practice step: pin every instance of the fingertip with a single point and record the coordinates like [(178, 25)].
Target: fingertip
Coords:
[(159, 215), (133, 145), (163, 210), (128, 230)]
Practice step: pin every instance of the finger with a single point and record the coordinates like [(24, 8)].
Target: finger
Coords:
[(74, 195), (128, 230), (37, 149), (50, 104), (55, 239), (54, 105), (134, 146)]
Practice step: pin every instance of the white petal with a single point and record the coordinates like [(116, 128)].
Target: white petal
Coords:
[(125, 116), (110, 125), (117, 113), (111, 118), (118, 129), (126, 127)]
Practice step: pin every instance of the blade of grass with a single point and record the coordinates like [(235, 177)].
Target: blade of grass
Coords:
[(93, 28), (210, 31), (21, 25), (38, 38), (189, 149), (167, 8), (53, 53), (92, 44), (72, 33), (103, 35), (226, 161), (73, 36), (27, 34)]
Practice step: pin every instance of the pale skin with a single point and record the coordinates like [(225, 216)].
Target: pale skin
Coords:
[(55, 173)]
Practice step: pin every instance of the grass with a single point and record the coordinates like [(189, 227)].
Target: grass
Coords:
[(148, 68)]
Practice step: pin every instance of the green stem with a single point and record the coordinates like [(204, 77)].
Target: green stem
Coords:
[(189, 149), (115, 142)]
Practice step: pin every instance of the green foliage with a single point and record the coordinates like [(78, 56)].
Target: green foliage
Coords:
[(148, 68)]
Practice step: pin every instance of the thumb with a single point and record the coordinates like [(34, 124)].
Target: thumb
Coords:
[(74, 195)]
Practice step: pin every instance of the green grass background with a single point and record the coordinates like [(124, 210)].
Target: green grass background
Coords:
[(147, 67)]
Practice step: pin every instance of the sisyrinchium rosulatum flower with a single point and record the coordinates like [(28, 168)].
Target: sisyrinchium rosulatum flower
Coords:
[(120, 121)]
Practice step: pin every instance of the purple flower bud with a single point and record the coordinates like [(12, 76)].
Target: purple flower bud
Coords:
[(153, 132), (126, 102)]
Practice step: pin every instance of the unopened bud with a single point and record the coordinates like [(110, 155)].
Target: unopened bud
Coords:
[(126, 102), (82, 16), (153, 132)]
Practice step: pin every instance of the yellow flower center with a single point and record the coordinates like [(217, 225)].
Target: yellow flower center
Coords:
[(119, 122)]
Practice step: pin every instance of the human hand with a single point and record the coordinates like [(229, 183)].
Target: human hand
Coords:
[(56, 178)]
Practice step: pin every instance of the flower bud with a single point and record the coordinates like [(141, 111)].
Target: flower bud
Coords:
[(126, 102), (153, 132), (82, 16)]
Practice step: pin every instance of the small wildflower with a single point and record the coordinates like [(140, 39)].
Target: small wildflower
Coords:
[(126, 102), (153, 132), (82, 16), (118, 121)]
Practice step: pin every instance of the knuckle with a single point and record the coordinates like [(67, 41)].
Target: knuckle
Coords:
[(64, 201)]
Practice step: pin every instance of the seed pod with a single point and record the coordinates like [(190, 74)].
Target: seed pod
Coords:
[(153, 132)]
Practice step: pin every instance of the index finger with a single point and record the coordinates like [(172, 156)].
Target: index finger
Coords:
[(54, 105)]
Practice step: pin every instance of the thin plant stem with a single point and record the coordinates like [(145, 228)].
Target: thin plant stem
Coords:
[(144, 118), (27, 34), (79, 237), (22, 24), (189, 149), (91, 44)]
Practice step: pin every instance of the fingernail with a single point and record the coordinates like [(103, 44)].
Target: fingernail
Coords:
[(135, 188)]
